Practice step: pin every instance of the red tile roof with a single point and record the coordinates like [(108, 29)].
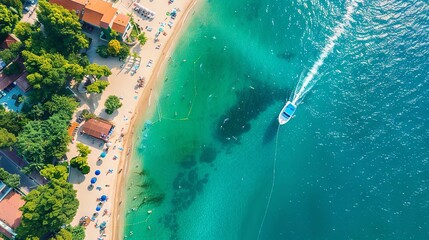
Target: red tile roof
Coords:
[(9, 209), (75, 6), (99, 13), (97, 128), (10, 39), (120, 23)]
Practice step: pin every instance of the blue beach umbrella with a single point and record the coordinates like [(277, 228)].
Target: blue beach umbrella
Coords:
[(93, 180), (103, 154), (97, 172), (98, 208), (103, 198), (161, 29)]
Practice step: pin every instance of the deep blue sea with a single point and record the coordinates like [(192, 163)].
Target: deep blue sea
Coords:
[(352, 164)]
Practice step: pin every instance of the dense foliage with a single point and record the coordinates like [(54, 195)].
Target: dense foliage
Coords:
[(7, 139), (97, 87), (63, 234), (8, 20), (47, 209), (112, 104), (13, 122), (81, 162), (12, 180), (78, 232), (62, 28), (52, 172), (113, 49), (42, 140)]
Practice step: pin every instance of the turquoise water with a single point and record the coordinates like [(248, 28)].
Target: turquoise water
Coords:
[(352, 164)]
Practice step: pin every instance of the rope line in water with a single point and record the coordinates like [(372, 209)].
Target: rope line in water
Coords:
[(272, 183)]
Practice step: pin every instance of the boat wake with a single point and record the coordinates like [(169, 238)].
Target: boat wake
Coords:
[(304, 86)]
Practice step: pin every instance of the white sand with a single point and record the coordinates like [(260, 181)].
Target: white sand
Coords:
[(122, 84)]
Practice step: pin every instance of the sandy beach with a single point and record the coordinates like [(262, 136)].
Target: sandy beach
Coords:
[(135, 102)]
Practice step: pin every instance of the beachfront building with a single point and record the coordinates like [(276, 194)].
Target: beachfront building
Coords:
[(97, 128), (99, 14), (10, 217)]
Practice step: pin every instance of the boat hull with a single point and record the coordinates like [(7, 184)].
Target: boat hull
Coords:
[(286, 113)]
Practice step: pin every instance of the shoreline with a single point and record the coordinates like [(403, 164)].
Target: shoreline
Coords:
[(138, 115)]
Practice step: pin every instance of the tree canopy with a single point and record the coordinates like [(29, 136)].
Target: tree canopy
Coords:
[(7, 139), (23, 31), (97, 87), (15, 4), (97, 70), (40, 141), (12, 121), (12, 180), (112, 104), (83, 149), (63, 234), (78, 232), (113, 47), (61, 105), (7, 20), (62, 28), (52, 172), (47, 209), (49, 72)]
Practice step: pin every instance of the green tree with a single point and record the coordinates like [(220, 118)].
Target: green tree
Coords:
[(40, 141), (142, 38), (23, 31), (47, 209), (63, 234), (51, 172), (77, 232), (113, 47), (79, 162), (124, 52), (83, 150), (7, 56), (62, 28), (112, 104), (12, 180), (48, 73), (97, 87), (61, 105), (7, 20), (15, 4), (7, 139), (12, 121), (97, 70)]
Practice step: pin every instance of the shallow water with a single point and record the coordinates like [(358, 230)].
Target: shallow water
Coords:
[(352, 164)]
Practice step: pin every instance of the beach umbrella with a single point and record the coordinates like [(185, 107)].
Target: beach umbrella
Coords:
[(108, 144), (161, 29), (97, 172), (93, 180), (103, 154), (103, 198), (98, 208)]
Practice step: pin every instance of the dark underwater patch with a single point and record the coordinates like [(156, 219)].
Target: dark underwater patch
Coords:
[(271, 131), (250, 103), (286, 55), (208, 154)]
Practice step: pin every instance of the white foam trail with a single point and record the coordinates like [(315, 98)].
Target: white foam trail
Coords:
[(338, 31)]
